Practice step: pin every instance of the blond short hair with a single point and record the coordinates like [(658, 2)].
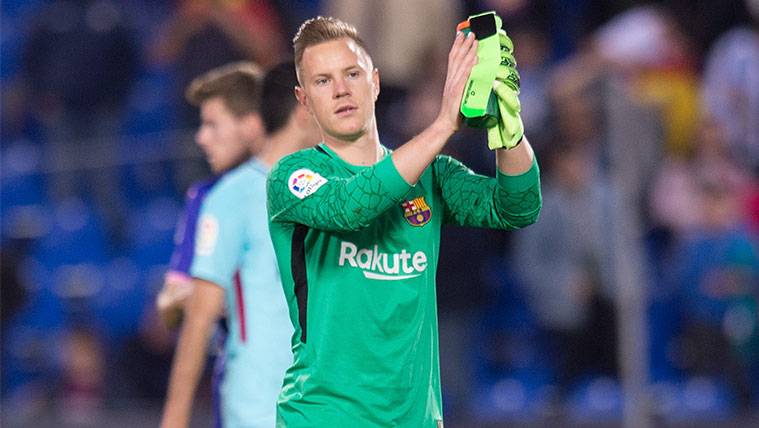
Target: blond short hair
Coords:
[(319, 30), (237, 84)]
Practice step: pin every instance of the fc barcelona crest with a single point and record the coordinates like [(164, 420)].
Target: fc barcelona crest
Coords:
[(416, 211)]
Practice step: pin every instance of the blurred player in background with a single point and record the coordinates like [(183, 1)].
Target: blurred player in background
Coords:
[(233, 267), (356, 229), (223, 152)]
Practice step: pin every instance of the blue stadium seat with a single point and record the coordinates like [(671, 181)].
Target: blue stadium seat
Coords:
[(511, 400), (19, 173), (149, 110), (697, 399), (597, 400), (26, 222), (30, 335), (150, 231), (76, 235), (16, 15), (119, 305)]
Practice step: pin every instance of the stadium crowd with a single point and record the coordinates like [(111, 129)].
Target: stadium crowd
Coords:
[(645, 119)]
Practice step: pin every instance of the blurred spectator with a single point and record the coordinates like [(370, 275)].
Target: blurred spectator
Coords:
[(716, 272), (14, 298), (731, 87), (14, 293), (144, 360), (82, 391), (676, 207), (676, 202), (706, 20), (533, 60), (649, 48), (204, 34), (564, 261), (569, 22), (294, 12), (78, 67)]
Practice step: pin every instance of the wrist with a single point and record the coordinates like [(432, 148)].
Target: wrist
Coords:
[(443, 128)]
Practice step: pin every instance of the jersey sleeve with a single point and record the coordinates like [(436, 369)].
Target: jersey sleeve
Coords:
[(504, 202), (301, 190), (184, 234), (219, 238)]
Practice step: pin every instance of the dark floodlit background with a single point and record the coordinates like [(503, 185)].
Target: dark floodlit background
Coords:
[(632, 302)]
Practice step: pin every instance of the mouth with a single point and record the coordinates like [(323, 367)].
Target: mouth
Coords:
[(345, 110)]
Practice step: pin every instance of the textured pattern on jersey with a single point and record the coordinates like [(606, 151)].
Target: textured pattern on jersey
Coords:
[(370, 356), (523, 202), (340, 204), (466, 203)]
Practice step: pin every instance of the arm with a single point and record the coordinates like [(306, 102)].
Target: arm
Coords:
[(415, 156), (515, 161), (513, 199), (339, 204), (170, 301), (505, 202), (330, 202), (219, 238), (204, 308), (177, 285)]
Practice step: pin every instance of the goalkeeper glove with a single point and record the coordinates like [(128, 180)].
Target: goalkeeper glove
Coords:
[(491, 96), (509, 131), (478, 104)]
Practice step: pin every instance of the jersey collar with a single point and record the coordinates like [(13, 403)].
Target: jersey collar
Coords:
[(353, 168), (259, 166)]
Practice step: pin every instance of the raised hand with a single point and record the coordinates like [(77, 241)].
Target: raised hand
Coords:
[(461, 59)]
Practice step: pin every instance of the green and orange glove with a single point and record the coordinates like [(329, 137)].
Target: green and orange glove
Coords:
[(491, 97), (510, 129), (478, 104)]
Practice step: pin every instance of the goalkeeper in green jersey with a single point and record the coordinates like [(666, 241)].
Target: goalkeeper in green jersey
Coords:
[(356, 231)]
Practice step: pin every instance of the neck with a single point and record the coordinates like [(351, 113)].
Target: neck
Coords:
[(364, 151), (280, 144), (234, 165)]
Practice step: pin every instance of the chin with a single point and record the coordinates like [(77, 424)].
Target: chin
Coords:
[(350, 132), (350, 136)]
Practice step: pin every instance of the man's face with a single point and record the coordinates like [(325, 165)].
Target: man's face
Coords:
[(224, 137), (339, 87)]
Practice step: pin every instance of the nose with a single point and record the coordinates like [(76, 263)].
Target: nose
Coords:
[(200, 137), (340, 89)]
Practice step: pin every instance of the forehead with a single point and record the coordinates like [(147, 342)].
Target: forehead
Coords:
[(338, 54), (215, 106)]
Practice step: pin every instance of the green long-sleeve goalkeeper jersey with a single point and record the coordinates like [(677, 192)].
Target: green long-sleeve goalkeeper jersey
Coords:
[(357, 249)]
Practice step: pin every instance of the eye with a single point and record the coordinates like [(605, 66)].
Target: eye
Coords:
[(321, 81), (354, 74)]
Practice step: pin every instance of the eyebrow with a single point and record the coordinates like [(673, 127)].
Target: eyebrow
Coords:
[(351, 67)]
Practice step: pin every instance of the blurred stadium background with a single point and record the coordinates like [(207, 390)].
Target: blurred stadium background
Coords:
[(633, 301)]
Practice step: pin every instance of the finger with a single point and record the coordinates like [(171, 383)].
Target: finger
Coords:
[(461, 47), (459, 79), (458, 58), (457, 42), (457, 50), (464, 67)]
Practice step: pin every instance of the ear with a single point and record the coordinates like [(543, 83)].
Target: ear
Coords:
[(253, 125), (376, 82), (300, 115), (300, 94)]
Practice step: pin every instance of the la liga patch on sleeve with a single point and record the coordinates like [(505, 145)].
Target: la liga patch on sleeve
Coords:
[(208, 234), (304, 182)]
